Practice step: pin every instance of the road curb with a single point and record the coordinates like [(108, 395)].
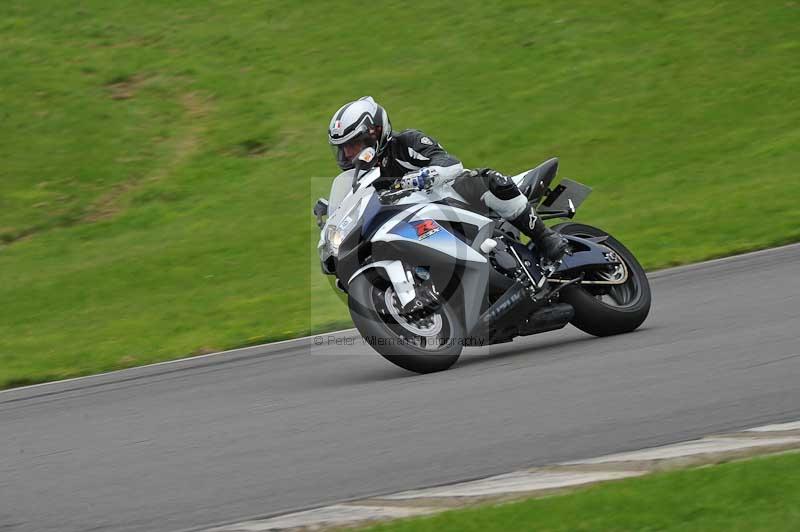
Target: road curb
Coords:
[(533, 482)]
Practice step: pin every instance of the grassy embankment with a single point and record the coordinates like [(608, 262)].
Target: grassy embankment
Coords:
[(157, 160), (758, 494)]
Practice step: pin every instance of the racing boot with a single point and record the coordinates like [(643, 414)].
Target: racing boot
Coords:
[(551, 244)]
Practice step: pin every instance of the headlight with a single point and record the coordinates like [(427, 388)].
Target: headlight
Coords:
[(334, 238), (336, 233)]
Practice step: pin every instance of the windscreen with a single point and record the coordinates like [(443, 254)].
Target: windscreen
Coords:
[(342, 184)]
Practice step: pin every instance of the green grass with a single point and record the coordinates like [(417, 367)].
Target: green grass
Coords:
[(758, 494), (160, 159)]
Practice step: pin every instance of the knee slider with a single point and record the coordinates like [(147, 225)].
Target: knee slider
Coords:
[(501, 186)]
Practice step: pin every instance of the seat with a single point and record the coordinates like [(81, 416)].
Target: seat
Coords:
[(534, 183)]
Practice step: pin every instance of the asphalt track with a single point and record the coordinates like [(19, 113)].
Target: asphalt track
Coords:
[(275, 428)]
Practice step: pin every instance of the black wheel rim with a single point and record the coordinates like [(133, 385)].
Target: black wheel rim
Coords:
[(438, 338)]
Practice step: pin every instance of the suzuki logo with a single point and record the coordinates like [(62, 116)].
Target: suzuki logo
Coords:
[(427, 228)]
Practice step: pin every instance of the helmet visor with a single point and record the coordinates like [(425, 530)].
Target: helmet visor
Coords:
[(347, 152)]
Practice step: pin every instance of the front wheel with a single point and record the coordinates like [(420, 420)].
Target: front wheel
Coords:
[(425, 344), (606, 309)]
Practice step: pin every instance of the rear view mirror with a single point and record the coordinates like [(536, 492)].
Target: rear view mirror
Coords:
[(364, 160), (367, 155), (320, 210)]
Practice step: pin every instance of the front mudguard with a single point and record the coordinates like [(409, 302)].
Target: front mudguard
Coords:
[(402, 280)]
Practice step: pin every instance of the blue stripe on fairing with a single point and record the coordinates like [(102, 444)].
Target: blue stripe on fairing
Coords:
[(373, 207), (376, 214)]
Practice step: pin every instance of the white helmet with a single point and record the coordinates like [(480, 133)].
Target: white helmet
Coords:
[(355, 126)]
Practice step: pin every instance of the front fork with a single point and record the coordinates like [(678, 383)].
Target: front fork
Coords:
[(402, 281)]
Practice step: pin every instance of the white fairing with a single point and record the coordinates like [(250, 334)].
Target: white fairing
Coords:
[(437, 193), (346, 207), (344, 203), (434, 211)]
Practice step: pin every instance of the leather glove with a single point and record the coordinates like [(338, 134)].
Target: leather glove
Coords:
[(422, 180)]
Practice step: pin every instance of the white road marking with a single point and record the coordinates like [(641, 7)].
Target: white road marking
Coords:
[(520, 481), (336, 514), (795, 425), (690, 448), (531, 480)]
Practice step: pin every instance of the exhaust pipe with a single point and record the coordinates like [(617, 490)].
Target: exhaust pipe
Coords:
[(500, 309), (498, 317), (548, 318)]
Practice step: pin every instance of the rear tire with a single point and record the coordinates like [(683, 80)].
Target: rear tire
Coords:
[(592, 314), (384, 333)]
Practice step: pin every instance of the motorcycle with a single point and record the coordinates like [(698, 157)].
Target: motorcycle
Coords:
[(425, 275)]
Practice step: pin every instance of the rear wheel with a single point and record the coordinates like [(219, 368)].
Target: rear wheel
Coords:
[(606, 309), (425, 343)]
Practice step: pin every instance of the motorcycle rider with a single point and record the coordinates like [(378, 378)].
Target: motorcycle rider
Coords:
[(421, 162)]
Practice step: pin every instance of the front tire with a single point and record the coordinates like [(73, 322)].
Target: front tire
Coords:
[(604, 310), (415, 348)]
